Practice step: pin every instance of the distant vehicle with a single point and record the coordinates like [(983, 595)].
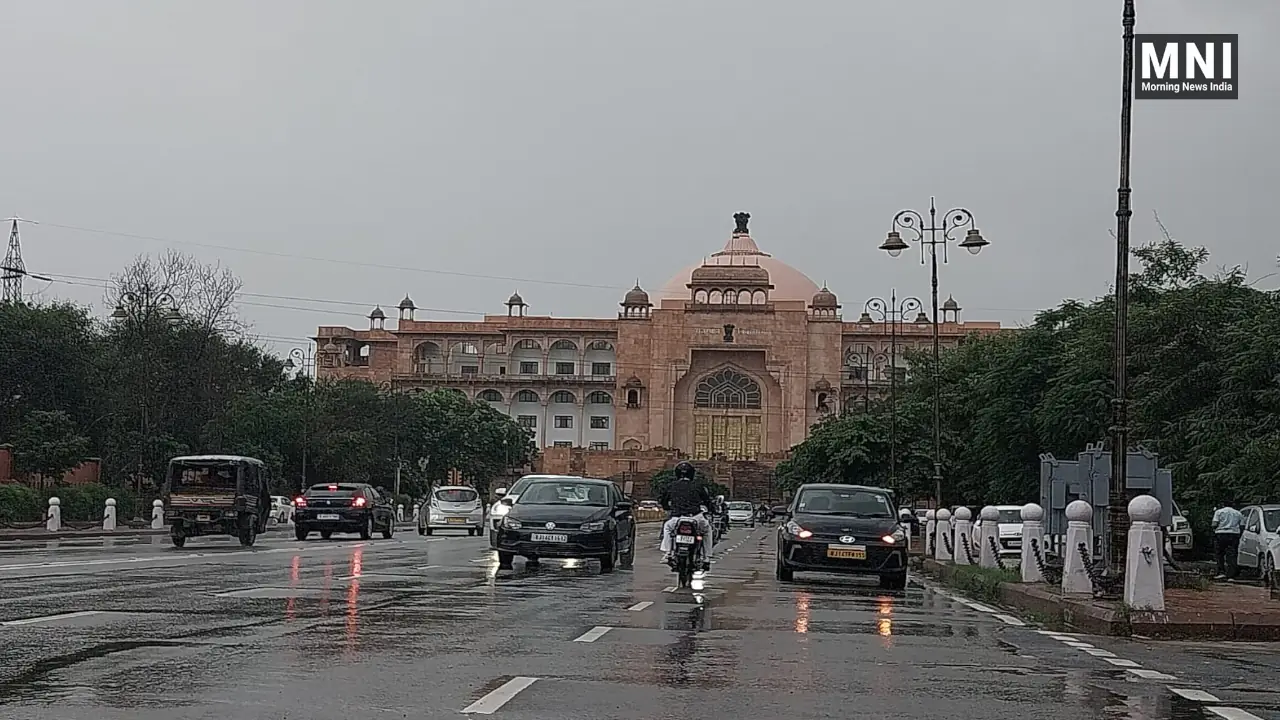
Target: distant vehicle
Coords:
[(454, 507), (742, 513), (1258, 551), (216, 495), (922, 515), (1181, 536), (343, 508), (569, 517), (1010, 524), (281, 510), (847, 529), (506, 498), (649, 505)]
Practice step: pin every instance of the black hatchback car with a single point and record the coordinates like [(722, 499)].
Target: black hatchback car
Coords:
[(343, 508), (569, 518), (847, 529)]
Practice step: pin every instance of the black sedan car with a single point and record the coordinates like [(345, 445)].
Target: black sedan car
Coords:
[(569, 518), (343, 508), (847, 529)]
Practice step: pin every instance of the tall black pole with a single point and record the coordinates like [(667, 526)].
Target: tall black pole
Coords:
[(1118, 500), (937, 357), (893, 388), (866, 382)]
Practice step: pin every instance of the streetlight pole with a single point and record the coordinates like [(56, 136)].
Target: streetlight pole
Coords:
[(389, 387), (893, 312), (930, 237), (143, 308), (1117, 497), (304, 361)]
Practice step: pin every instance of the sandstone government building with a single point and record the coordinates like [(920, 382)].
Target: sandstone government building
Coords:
[(734, 358)]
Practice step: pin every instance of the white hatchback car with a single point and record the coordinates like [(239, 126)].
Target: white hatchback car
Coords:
[(452, 507)]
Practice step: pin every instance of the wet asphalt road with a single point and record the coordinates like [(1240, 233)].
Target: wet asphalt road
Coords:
[(428, 628)]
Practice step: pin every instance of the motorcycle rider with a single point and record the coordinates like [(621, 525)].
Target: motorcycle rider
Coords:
[(686, 497)]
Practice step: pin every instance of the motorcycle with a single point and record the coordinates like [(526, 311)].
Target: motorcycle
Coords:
[(688, 548)]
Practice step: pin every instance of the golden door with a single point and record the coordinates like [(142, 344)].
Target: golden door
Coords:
[(736, 437)]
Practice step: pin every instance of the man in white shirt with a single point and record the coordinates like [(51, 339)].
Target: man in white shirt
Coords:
[(1228, 523)]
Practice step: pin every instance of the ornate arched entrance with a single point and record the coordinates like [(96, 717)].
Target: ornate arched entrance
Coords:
[(727, 416)]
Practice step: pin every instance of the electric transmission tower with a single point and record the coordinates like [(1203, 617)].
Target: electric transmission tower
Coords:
[(12, 269)]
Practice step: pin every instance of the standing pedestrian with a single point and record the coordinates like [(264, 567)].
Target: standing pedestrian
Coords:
[(1228, 523)]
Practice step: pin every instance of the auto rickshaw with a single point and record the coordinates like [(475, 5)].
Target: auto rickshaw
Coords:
[(216, 495)]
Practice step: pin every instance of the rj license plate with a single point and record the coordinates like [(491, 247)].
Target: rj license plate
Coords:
[(202, 518), (547, 537), (684, 540), (328, 516), (857, 552), (1013, 543), (455, 521)]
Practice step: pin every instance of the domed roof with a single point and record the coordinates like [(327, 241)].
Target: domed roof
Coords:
[(407, 303), (636, 296), (377, 314), (950, 304), (824, 298), (741, 251), (515, 299)]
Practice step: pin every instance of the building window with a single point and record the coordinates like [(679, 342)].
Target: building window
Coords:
[(857, 372), (599, 422), (527, 421), (526, 396), (529, 368), (564, 368), (633, 398), (727, 389), (562, 397), (601, 345), (470, 370), (600, 398), (564, 422), (599, 446), (562, 443), (528, 345), (598, 368), (491, 396)]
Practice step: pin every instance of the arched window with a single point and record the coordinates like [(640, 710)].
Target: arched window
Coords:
[(716, 298), (633, 398), (466, 348), (563, 345), (562, 397), (727, 389), (526, 396), (730, 297), (490, 396), (600, 398), (700, 297), (602, 345), (528, 344)]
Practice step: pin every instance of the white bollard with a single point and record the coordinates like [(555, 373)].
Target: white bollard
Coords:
[(417, 511), (400, 512), (930, 527), (1032, 534), (990, 531), (904, 519), (963, 531), (109, 515), (157, 514), (53, 521), (1144, 563), (943, 535), (1075, 577)]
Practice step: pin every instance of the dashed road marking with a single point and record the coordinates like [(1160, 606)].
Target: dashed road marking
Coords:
[(50, 618), (1231, 713), (1150, 674), (1195, 695), (1097, 652), (640, 606), (980, 607), (488, 704), (1010, 620), (669, 589), (1078, 645), (1121, 662), (593, 634)]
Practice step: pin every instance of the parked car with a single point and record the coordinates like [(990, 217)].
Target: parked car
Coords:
[(847, 529), (569, 517), (1010, 524), (1258, 552), (1181, 536), (344, 508), (281, 510), (454, 507)]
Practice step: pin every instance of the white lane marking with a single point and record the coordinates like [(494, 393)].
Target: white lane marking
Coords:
[(593, 634), (50, 618), (1196, 695), (669, 589), (1063, 638), (980, 607), (488, 704), (1231, 713), (426, 567), (1151, 674), (1121, 662), (1099, 653), (187, 556), (640, 606), (1078, 645), (1010, 620)]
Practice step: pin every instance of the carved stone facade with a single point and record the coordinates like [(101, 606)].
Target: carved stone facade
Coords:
[(738, 357)]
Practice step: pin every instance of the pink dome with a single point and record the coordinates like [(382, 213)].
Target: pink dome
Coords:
[(788, 282)]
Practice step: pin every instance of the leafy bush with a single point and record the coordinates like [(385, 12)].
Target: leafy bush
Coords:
[(20, 504), (85, 503), (981, 583)]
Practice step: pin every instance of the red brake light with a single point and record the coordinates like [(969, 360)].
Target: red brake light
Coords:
[(300, 501), (333, 488), (358, 502)]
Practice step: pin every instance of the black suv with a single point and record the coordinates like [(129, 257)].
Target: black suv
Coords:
[(344, 508)]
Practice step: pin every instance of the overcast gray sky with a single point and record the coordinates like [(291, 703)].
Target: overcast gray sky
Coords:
[(591, 142)]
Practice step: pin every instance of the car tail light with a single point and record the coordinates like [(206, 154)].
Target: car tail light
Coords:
[(333, 488), (685, 529), (358, 502), (300, 501)]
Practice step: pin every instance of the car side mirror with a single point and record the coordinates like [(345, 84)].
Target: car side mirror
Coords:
[(500, 492), (624, 506), (507, 501), (781, 510)]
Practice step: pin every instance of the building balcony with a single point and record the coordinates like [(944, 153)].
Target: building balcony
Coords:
[(507, 379)]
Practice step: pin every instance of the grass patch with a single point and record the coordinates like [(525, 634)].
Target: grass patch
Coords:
[(981, 583)]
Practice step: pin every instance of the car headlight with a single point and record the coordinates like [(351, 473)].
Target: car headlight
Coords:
[(794, 528), (511, 523), (895, 537), (593, 526)]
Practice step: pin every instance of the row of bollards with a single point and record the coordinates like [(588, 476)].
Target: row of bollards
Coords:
[(948, 539), (53, 518)]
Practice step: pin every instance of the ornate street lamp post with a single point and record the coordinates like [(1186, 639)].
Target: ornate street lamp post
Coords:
[(893, 312), (389, 387), (1117, 500), (141, 308), (304, 361), (930, 237)]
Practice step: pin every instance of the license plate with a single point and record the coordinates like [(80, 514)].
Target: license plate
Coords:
[(1013, 543), (684, 539), (547, 537), (202, 518), (455, 521), (857, 552), (328, 516)]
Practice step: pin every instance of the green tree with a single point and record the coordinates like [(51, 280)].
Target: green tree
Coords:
[(48, 443)]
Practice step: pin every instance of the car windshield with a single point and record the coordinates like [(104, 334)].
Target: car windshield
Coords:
[(1271, 518), (740, 506), (1011, 516), (202, 476), (834, 501), (457, 495), (564, 492)]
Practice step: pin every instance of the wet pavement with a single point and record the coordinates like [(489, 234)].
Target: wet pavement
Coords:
[(429, 628)]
